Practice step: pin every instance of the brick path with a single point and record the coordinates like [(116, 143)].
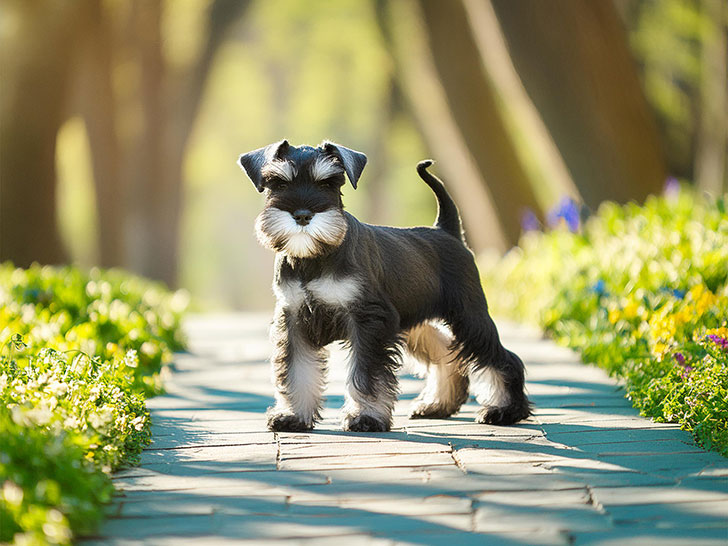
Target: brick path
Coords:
[(585, 470)]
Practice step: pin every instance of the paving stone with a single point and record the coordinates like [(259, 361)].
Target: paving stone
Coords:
[(563, 497), (259, 481), (192, 439), (249, 453), (529, 454), (487, 539), (219, 540), (301, 451), (496, 517), (672, 515), (677, 464), (650, 447), (640, 536), (624, 496), (197, 504), (401, 506), (617, 435), (179, 427), (144, 528), (473, 431), (349, 521), (614, 478), (367, 461)]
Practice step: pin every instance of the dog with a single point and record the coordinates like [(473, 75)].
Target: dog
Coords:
[(381, 290)]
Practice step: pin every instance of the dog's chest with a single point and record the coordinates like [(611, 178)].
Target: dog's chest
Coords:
[(320, 305), (327, 291)]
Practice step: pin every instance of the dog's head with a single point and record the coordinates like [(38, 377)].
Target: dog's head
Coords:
[(303, 215)]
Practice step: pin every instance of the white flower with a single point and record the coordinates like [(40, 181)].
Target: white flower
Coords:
[(131, 359), (57, 388), (138, 422)]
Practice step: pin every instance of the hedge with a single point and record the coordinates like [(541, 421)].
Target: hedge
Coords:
[(79, 353), (640, 291)]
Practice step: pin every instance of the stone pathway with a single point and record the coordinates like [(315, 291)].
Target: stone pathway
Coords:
[(586, 469)]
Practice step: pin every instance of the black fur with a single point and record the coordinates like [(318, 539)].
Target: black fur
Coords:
[(404, 276)]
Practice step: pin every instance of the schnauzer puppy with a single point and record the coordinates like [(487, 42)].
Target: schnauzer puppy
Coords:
[(381, 290)]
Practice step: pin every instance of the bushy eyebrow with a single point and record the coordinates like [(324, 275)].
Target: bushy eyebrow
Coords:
[(325, 167), (284, 170)]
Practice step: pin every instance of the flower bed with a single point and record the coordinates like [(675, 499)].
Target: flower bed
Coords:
[(79, 353), (641, 291)]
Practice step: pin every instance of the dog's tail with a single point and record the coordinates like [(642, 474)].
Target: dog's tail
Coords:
[(448, 217)]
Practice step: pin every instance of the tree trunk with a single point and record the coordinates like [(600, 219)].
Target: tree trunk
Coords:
[(573, 59), (170, 104), (711, 171), (32, 108), (96, 102), (546, 168), (474, 106)]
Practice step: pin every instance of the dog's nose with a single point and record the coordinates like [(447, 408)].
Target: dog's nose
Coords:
[(302, 216)]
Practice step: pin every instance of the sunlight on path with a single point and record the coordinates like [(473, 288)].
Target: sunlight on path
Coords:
[(586, 469)]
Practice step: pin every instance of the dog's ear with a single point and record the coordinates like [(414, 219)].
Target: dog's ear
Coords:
[(352, 160), (252, 162)]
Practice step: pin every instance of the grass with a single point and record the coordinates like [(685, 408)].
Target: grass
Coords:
[(640, 291), (79, 354)]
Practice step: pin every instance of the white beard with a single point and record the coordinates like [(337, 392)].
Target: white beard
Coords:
[(277, 229)]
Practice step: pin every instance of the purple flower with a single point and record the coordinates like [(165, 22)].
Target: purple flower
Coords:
[(672, 187), (568, 210), (680, 358), (719, 341), (529, 221)]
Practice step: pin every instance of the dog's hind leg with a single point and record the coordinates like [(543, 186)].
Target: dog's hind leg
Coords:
[(299, 375), (446, 385), (496, 374)]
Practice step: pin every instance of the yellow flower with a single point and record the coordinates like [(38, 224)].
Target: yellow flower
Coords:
[(631, 310), (660, 349), (614, 316), (720, 332)]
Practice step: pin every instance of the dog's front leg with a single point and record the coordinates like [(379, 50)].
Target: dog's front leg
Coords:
[(299, 375), (371, 388)]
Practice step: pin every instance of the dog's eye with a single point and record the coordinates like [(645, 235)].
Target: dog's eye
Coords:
[(279, 184), (331, 182)]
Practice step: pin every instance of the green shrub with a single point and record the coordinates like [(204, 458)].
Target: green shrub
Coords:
[(79, 352), (641, 291)]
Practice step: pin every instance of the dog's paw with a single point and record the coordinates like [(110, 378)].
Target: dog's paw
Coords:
[(364, 423), (287, 422), (507, 415), (431, 411)]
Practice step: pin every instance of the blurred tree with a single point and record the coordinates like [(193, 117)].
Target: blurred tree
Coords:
[(711, 154), (546, 168), (35, 77), (574, 61), (96, 103), (138, 170), (417, 75), (680, 48), (473, 103), (138, 130)]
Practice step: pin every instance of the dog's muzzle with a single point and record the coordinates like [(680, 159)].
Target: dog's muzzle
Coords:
[(302, 233)]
